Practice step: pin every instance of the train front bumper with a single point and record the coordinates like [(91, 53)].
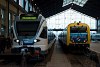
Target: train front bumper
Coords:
[(79, 45), (31, 53)]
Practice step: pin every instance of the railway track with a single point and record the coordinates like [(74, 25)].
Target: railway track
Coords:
[(86, 59), (80, 61), (81, 57)]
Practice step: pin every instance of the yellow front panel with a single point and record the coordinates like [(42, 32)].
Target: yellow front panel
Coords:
[(75, 24)]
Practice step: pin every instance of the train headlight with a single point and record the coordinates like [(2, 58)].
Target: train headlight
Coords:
[(72, 40), (36, 40), (85, 40), (17, 40)]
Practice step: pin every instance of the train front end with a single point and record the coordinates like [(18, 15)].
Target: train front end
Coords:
[(79, 35), (27, 40)]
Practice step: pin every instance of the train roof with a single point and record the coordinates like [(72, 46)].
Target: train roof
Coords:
[(78, 23)]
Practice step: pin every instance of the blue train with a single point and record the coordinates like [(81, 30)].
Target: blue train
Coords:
[(75, 35)]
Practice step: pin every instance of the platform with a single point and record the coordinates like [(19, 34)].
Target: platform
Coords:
[(95, 46), (59, 58)]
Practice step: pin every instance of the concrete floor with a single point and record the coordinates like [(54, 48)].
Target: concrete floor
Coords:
[(95, 46), (59, 58)]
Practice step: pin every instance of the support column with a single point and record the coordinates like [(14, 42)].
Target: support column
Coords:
[(8, 18), (18, 7), (0, 19), (98, 22)]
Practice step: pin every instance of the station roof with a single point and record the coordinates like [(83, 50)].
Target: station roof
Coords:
[(52, 7)]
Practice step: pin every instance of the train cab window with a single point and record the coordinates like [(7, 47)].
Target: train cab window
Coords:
[(44, 33), (27, 28), (75, 29)]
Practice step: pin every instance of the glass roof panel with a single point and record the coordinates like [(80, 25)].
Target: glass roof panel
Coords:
[(77, 2), (66, 2), (62, 19)]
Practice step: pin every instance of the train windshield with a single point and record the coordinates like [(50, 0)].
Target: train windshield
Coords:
[(81, 35), (27, 28), (78, 29), (78, 34)]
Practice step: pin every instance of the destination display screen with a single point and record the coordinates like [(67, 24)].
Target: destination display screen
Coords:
[(28, 18)]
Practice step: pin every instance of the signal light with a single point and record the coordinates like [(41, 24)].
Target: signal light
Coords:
[(72, 40), (37, 52), (85, 41)]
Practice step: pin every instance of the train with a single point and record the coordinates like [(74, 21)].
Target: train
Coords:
[(31, 38), (76, 34), (95, 37)]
